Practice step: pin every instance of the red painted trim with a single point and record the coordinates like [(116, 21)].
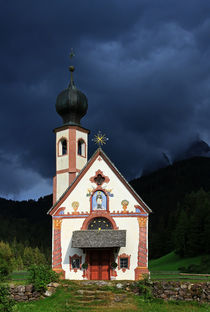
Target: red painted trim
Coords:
[(71, 127), (62, 171), (72, 150), (106, 179), (54, 190), (140, 208), (83, 214), (142, 269), (72, 176), (121, 257), (99, 152), (128, 213), (59, 210), (81, 139), (97, 214), (140, 273), (57, 252), (80, 262)]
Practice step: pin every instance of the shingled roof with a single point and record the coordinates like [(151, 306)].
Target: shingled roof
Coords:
[(99, 239)]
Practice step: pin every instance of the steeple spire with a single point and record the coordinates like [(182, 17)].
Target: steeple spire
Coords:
[(71, 104), (71, 67)]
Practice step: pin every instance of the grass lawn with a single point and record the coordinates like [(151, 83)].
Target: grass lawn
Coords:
[(69, 299), (166, 268), (172, 262)]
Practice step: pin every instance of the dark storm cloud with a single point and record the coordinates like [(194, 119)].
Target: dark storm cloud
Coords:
[(144, 66)]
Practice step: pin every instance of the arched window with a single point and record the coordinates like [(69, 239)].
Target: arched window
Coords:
[(81, 148), (100, 224), (62, 147)]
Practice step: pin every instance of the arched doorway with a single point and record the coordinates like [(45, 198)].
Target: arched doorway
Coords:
[(100, 258)]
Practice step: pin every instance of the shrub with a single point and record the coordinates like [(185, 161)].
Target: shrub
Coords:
[(85, 266), (6, 258), (40, 276), (114, 265), (6, 303), (144, 288)]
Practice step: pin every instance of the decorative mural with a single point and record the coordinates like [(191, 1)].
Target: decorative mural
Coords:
[(75, 206), (124, 204), (139, 209), (90, 191), (99, 201)]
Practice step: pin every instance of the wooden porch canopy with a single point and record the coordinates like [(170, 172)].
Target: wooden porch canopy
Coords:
[(99, 239)]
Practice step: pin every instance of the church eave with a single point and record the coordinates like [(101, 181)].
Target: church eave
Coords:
[(99, 239)]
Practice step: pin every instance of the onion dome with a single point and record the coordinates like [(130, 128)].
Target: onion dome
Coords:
[(71, 104)]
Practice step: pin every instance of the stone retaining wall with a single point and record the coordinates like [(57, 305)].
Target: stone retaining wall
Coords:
[(181, 291), (27, 293), (166, 290)]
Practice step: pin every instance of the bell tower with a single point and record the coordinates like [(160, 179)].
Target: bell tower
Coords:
[(71, 137)]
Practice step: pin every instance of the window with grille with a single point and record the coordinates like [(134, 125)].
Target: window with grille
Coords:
[(100, 224), (75, 263), (123, 263)]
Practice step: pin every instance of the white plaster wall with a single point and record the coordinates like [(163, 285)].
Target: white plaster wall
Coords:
[(81, 161), (132, 234), (131, 226), (62, 162), (115, 186), (62, 184), (68, 226)]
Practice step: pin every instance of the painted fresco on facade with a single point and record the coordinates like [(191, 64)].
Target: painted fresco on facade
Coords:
[(99, 201), (90, 191), (75, 206)]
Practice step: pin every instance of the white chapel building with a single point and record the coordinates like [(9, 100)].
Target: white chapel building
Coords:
[(100, 224)]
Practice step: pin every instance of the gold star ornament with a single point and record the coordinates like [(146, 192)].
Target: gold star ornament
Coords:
[(100, 139)]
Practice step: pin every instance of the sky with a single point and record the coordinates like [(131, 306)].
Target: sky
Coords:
[(144, 66)]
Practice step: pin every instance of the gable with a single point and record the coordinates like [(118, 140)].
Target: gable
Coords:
[(117, 189)]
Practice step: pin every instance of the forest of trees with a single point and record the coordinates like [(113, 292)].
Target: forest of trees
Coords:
[(16, 256), (171, 192)]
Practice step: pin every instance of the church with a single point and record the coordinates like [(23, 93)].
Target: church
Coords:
[(100, 224)]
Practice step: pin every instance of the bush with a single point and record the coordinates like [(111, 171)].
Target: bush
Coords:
[(85, 266), (40, 276), (6, 303), (6, 258), (144, 288)]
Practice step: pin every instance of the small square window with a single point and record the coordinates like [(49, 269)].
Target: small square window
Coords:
[(124, 263), (75, 263)]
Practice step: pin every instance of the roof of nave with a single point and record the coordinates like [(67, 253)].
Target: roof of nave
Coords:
[(98, 152)]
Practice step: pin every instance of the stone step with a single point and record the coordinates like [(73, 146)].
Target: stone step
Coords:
[(86, 292)]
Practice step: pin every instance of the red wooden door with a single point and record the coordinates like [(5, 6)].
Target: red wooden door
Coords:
[(100, 265)]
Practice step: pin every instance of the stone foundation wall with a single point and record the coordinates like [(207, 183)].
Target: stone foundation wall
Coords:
[(181, 291)]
